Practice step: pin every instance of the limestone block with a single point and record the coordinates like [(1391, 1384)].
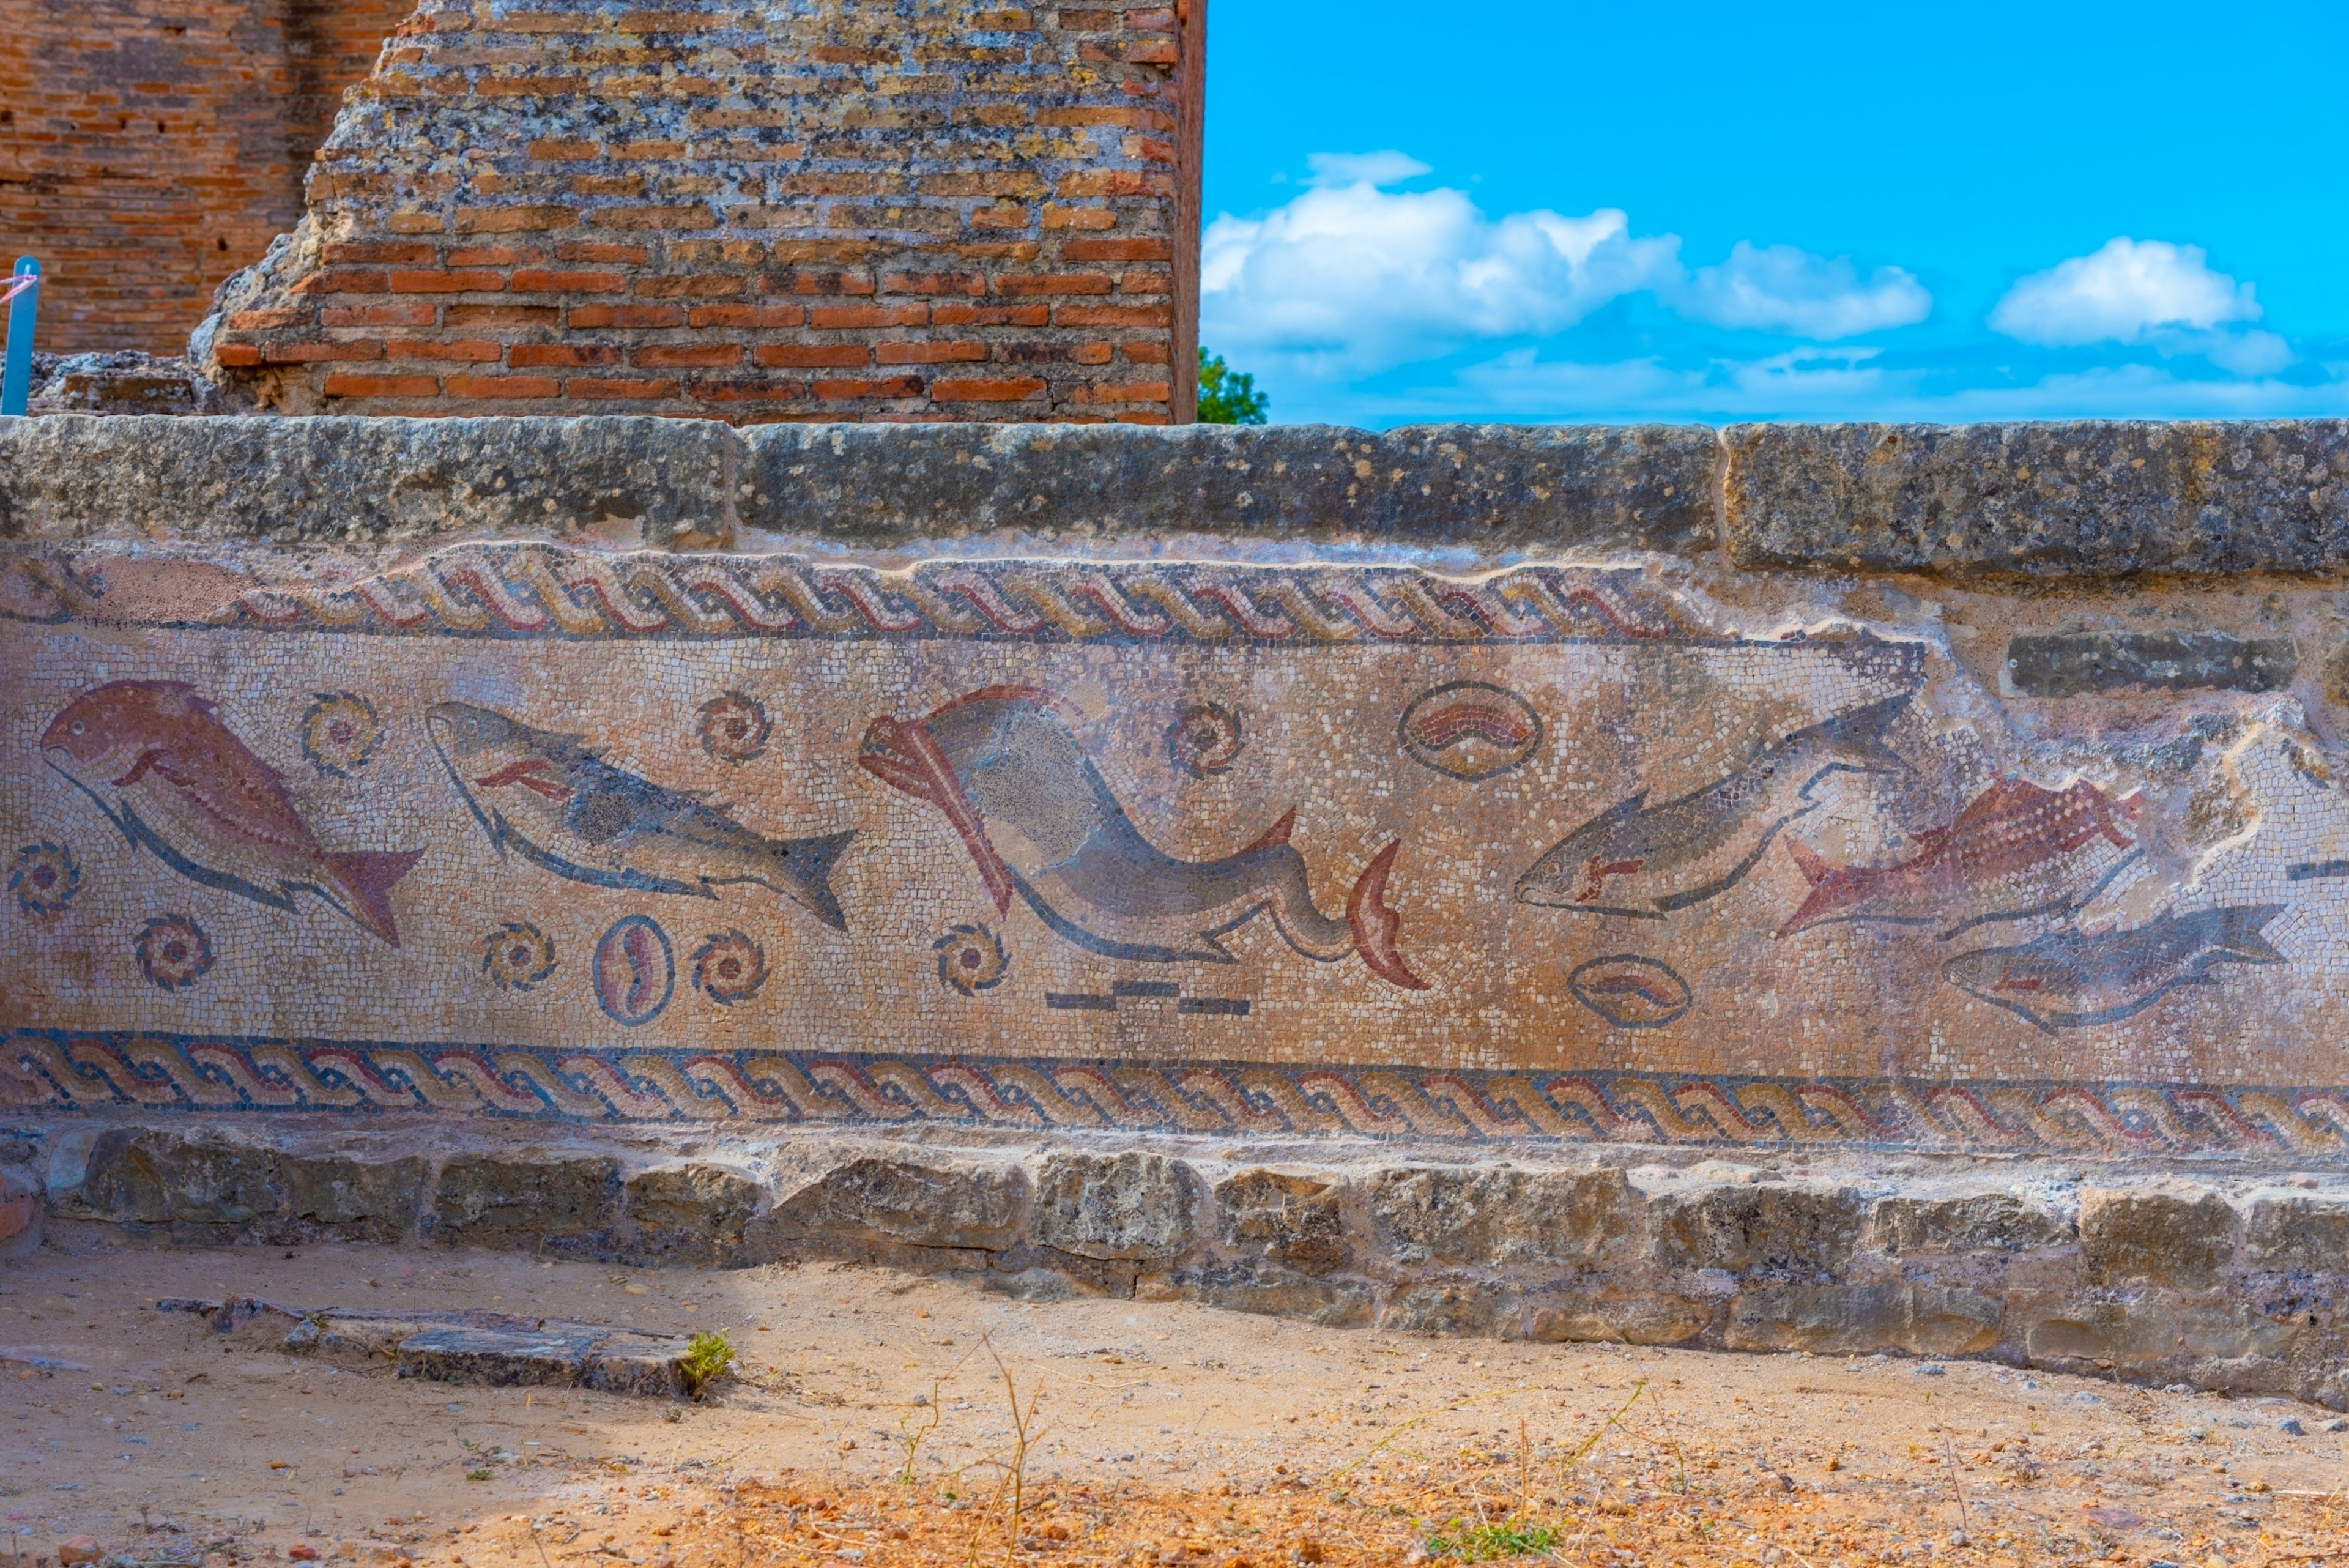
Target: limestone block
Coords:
[(1972, 1222), (1267, 1288), (341, 481), (1761, 1227), (365, 1199), (1128, 1206), (2152, 1330), (1645, 487), (1297, 1220), (2302, 1234), (22, 1207), (2171, 1236), (151, 1178), (1486, 1307), (1466, 1214), (875, 1199), (694, 1212), (497, 1357), (1851, 1319), (2095, 499), (526, 1201), (1617, 1317)]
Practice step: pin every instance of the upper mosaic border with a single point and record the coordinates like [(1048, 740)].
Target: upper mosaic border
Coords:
[(504, 591)]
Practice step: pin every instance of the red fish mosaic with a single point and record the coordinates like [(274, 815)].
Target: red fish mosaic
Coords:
[(2017, 851), (177, 782)]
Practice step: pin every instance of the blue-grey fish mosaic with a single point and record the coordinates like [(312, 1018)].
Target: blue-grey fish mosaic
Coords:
[(2069, 978)]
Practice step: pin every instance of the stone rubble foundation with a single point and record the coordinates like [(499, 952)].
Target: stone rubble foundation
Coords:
[(2217, 1278)]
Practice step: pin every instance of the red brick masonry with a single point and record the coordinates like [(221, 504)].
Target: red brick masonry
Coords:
[(829, 213), (147, 153)]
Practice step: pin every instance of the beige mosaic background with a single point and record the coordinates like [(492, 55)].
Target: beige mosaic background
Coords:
[(2172, 941)]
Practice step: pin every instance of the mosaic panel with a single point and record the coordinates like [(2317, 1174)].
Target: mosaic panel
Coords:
[(1551, 851)]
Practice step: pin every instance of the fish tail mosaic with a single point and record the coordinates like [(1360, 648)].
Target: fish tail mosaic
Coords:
[(1627, 852)]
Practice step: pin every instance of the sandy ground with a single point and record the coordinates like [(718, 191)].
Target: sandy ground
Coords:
[(872, 1425)]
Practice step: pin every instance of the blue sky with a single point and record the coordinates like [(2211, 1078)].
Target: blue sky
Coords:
[(1702, 211)]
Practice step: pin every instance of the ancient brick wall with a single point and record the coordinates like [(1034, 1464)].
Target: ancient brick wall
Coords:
[(831, 210), (146, 154)]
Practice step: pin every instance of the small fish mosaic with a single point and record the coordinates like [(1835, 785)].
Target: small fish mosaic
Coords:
[(1550, 851)]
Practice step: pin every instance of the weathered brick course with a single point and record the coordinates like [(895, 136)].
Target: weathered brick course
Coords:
[(947, 197), (146, 153)]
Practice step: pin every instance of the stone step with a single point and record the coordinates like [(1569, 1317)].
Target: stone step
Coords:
[(498, 1349)]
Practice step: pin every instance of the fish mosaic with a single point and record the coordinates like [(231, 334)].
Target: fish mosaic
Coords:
[(1646, 861), (558, 804), (2017, 851), (179, 783), (1235, 848), (2071, 978), (1005, 767)]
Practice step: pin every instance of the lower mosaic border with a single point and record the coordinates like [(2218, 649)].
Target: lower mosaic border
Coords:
[(67, 1071)]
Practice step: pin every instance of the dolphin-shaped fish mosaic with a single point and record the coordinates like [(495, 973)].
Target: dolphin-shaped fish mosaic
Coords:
[(1646, 861), (176, 780), (2016, 850), (1040, 821), (2066, 979), (558, 804)]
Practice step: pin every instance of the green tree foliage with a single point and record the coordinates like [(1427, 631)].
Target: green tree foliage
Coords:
[(1228, 397)]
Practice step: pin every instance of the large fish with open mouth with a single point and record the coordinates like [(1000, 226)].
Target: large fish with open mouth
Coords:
[(1646, 861), (2066, 979), (1041, 824), (178, 781), (558, 804)]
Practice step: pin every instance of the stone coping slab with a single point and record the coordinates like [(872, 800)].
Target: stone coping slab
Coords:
[(2080, 499)]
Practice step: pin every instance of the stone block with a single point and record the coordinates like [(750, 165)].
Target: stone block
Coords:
[(1268, 1288), (497, 1357), (150, 1178), (873, 1199), (543, 1202), (1643, 487), (2170, 1237), (1296, 1220), (640, 1363), (1972, 1222), (343, 480), (1853, 1319), (2156, 1330), (2302, 1235), (1473, 1214), (2070, 499), (1770, 1227), (1123, 1207), (22, 1207), (691, 1213), (1482, 1307), (2076, 664), (363, 1200), (1617, 1317)]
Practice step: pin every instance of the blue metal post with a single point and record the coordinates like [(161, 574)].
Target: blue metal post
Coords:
[(16, 379)]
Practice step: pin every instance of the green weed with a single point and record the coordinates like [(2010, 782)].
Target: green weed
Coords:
[(708, 1357), (1482, 1543)]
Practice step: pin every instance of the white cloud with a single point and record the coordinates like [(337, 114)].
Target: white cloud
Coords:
[(2128, 291), (1386, 167), (1780, 288), (1350, 277), (1366, 277)]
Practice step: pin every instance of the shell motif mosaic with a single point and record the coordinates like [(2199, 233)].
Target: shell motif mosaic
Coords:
[(1554, 852)]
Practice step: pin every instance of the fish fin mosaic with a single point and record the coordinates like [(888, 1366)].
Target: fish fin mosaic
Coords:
[(1561, 851)]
